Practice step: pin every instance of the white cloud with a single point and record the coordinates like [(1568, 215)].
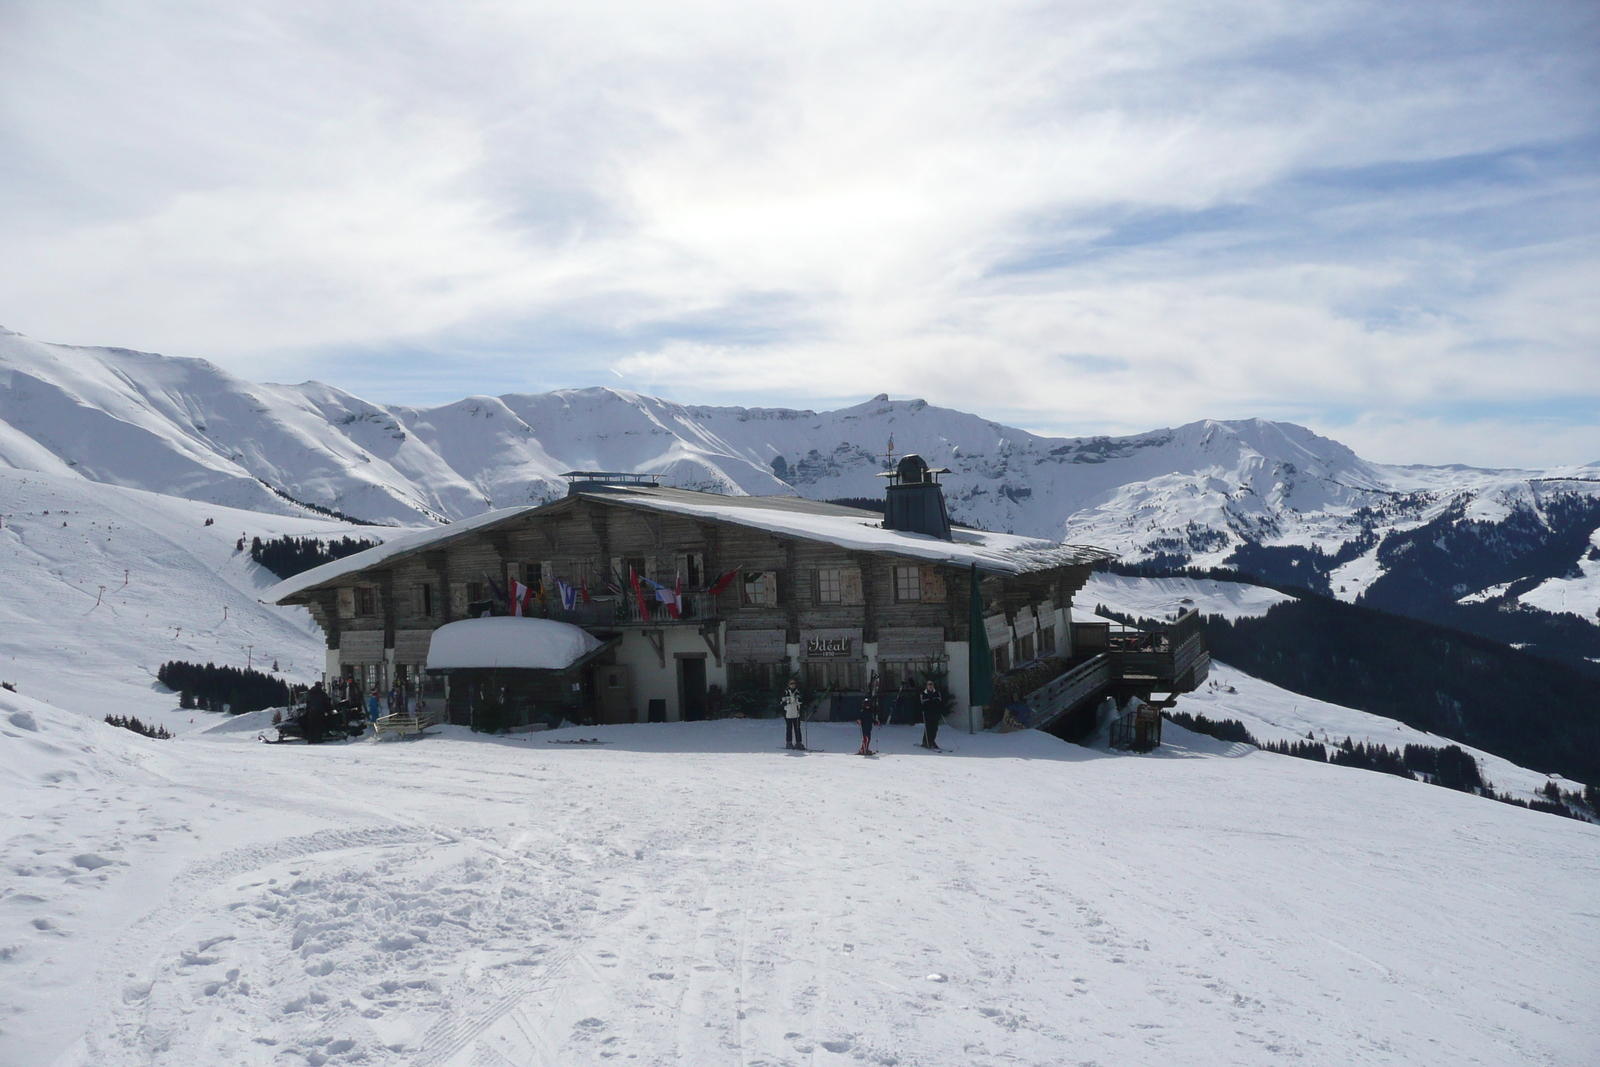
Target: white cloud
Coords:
[(1091, 216)]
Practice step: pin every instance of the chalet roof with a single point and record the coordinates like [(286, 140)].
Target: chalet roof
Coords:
[(862, 531), (789, 516)]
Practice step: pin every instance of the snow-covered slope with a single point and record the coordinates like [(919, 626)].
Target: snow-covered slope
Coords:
[(1166, 598), (686, 894), (103, 584)]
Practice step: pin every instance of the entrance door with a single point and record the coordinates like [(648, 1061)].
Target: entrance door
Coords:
[(692, 686)]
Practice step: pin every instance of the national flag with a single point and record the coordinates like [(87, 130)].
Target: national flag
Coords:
[(670, 598), (722, 583), (583, 588), (644, 607), (569, 595), (519, 597)]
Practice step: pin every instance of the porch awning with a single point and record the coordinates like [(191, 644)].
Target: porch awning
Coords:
[(509, 642)]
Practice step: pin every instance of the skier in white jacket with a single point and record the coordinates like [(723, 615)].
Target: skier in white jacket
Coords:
[(791, 716)]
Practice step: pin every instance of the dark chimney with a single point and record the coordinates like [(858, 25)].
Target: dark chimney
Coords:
[(915, 501)]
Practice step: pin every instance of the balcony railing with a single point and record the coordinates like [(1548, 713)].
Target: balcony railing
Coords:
[(624, 611)]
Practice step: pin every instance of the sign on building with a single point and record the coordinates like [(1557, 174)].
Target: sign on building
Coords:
[(830, 644)]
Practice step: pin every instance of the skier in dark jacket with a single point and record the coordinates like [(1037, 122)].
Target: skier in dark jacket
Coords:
[(932, 712), (314, 720), (869, 715)]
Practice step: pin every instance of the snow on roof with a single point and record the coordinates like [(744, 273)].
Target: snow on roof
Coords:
[(510, 642), (813, 520), (404, 544), (994, 553)]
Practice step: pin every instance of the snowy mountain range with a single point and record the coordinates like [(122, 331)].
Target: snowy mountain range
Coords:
[(1272, 499)]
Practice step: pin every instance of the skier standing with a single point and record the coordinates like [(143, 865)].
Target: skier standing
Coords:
[(374, 710), (869, 714), (791, 716), (932, 712)]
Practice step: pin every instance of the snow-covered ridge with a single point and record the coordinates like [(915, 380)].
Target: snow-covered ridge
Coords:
[(188, 428)]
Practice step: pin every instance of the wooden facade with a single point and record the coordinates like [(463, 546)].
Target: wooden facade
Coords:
[(800, 604)]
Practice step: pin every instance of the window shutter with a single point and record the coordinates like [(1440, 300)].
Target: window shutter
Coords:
[(618, 574), (680, 564), (932, 586), (850, 586), (650, 568), (774, 594), (347, 603), (458, 600)]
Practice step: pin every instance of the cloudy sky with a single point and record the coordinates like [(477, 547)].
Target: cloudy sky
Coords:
[(1380, 220)]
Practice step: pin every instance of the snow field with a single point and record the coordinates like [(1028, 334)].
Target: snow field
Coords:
[(691, 893), (1166, 598), (1274, 714), (188, 594)]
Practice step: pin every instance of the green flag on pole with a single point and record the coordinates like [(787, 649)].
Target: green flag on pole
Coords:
[(980, 661)]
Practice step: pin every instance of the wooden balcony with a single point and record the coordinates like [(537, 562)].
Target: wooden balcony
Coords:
[(1173, 659), (610, 611)]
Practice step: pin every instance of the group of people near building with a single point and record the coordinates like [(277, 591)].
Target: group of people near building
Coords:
[(331, 711), (873, 714)]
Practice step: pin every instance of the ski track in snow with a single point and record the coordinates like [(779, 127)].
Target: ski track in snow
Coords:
[(688, 895)]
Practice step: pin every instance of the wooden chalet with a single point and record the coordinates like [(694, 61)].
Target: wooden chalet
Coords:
[(696, 600)]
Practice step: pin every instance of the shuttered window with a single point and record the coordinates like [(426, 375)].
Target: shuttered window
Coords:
[(830, 585), (907, 584), (760, 589)]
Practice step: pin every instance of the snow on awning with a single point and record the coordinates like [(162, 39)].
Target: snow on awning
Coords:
[(509, 642)]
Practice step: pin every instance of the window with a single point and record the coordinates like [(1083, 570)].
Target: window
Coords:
[(830, 585), (1002, 659), (760, 589), (476, 593), (836, 674), (764, 676), (907, 584), (366, 600), (1024, 648), (1047, 641), (425, 600), (894, 675)]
